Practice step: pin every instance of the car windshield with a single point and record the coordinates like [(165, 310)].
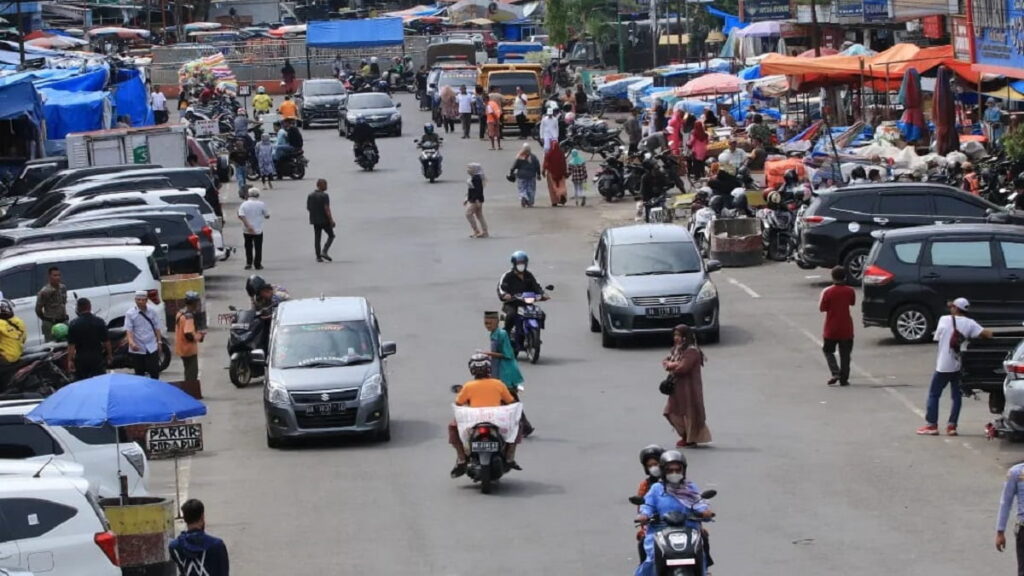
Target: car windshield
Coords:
[(367, 101), (654, 259), (506, 83), (323, 345), (323, 89)]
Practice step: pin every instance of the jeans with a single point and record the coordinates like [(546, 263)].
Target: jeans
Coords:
[(840, 370), (577, 189), (253, 249), (240, 176), (160, 116), (467, 120), (1019, 537), (483, 126), (939, 382), (146, 365), (318, 231)]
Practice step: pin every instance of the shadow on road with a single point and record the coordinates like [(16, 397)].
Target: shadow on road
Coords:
[(515, 487)]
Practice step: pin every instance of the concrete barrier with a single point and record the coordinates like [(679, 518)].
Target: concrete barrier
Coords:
[(144, 529), (737, 242)]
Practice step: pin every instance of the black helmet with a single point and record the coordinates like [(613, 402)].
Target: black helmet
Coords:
[(254, 284), (670, 456), (791, 177), (428, 128), (519, 257), (716, 203), (480, 365), (652, 451)]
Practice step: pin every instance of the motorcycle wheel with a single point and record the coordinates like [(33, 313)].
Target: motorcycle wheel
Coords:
[(165, 355), (432, 178), (533, 346), (486, 484), (298, 171), (240, 373)]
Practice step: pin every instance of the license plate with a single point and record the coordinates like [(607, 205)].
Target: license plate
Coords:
[(484, 447), (664, 311), (325, 409)]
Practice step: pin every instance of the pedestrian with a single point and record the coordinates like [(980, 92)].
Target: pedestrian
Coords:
[(158, 102), (265, 158), (673, 132), (1013, 488), (698, 144), (580, 100), (288, 77), (519, 106), (465, 102), (239, 157), (659, 111), (526, 172), (494, 121), (505, 366), (685, 406), (835, 302), (480, 110), (633, 131), (318, 204), (548, 129), (474, 202), (195, 552), (993, 122), (52, 303), (89, 351), (569, 102), (449, 109), (555, 170), (579, 177), (187, 336), (13, 334), (142, 326), (253, 213), (951, 332)]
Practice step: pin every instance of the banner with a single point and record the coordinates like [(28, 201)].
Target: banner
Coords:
[(850, 8), (999, 35), (762, 10), (876, 10), (961, 38)]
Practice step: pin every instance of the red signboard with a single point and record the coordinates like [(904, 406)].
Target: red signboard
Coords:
[(933, 27)]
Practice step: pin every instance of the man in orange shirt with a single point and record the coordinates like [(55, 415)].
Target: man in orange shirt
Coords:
[(481, 392), (187, 337), (288, 109)]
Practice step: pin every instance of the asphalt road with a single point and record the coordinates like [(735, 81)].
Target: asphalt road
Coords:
[(811, 479)]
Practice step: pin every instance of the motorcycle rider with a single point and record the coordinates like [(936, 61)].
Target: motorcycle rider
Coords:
[(374, 68), (672, 494), (515, 282), (293, 134), (12, 336), (430, 136), (650, 458), (265, 298), (362, 135), (483, 391), (262, 103)]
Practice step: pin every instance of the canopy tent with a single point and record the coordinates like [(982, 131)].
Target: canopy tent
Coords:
[(415, 12), (710, 84), (495, 11), (355, 33), (131, 99), (68, 112), (731, 21), (19, 98)]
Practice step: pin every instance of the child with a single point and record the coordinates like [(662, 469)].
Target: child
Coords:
[(474, 202), (578, 175), (265, 156), (650, 459)]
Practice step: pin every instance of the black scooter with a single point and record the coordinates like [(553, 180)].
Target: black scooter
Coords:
[(292, 164), (247, 342), (430, 158), (39, 371), (679, 548), (367, 155)]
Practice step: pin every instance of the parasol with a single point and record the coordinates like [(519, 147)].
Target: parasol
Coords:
[(912, 122), (56, 42), (124, 33), (944, 113), (710, 84), (758, 29)]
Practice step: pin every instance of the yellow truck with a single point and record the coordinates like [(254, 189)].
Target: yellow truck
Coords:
[(505, 78)]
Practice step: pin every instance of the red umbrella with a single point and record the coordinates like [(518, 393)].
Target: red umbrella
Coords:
[(944, 113), (710, 84), (912, 121)]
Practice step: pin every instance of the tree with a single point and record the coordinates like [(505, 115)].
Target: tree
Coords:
[(556, 21)]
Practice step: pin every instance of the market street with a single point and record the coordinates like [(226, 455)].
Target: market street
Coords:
[(811, 479)]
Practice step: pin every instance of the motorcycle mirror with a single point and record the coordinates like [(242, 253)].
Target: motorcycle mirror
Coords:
[(636, 500), (415, 141), (549, 287), (456, 388), (232, 308), (708, 494)]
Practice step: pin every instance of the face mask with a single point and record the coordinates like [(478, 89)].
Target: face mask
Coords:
[(520, 267), (674, 478), (654, 471)]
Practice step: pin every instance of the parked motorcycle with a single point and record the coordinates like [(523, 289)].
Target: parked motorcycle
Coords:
[(529, 322), (367, 156), (246, 344), (589, 135), (430, 158), (120, 357), (679, 542), (39, 371), (292, 164)]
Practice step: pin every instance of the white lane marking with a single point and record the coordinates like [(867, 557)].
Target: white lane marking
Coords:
[(744, 287), (812, 277)]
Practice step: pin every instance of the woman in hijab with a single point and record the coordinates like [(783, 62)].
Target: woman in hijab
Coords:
[(265, 159), (555, 170), (578, 176), (698, 144), (674, 131), (685, 407), (526, 172), (449, 109)]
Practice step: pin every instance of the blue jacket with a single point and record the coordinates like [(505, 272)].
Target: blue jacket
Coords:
[(196, 552)]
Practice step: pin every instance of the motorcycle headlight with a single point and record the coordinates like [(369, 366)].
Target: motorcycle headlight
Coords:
[(371, 387), (613, 297), (276, 394), (707, 292)]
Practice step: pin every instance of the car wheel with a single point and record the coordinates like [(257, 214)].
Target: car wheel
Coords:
[(713, 336), (385, 434), (854, 263), (273, 442), (398, 131), (607, 340), (595, 326), (911, 324)]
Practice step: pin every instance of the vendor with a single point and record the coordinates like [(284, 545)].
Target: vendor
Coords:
[(732, 158), (725, 118)]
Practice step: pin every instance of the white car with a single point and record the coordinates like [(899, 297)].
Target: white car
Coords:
[(54, 526), (107, 275), (71, 207), (93, 448)]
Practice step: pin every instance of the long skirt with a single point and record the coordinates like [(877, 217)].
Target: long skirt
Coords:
[(556, 190)]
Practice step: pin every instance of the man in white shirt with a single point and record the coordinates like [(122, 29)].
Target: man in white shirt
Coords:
[(519, 111), (549, 129), (733, 158), (158, 102), (951, 332), (465, 101), (253, 212)]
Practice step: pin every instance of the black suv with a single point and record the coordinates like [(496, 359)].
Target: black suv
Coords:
[(836, 228), (912, 273)]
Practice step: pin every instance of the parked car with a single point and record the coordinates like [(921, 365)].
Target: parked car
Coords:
[(326, 371), (179, 177), (54, 526), (318, 100), (32, 208), (995, 366), (74, 206), (912, 274), (648, 278), (836, 228), (376, 108), (34, 172), (93, 448), (106, 275), (14, 206)]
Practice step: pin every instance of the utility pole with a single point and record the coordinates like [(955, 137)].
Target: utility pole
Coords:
[(654, 33), (679, 28), (622, 40), (21, 36), (815, 30)]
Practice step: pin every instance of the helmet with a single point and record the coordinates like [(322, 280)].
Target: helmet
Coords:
[(261, 90), (652, 451), (774, 198), (59, 332), (791, 177), (520, 257), (254, 284), (363, 61), (6, 308), (373, 60), (570, 117), (480, 365), (716, 203), (191, 296), (428, 128), (670, 456)]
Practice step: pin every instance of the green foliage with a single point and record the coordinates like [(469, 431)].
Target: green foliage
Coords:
[(556, 20), (1013, 143)]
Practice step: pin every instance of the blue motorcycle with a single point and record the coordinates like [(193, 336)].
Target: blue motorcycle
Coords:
[(529, 321)]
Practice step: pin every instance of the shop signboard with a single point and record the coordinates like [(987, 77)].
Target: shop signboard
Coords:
[(876, 10), (961, 38), (998, 36), (850, 8), (762, 10)]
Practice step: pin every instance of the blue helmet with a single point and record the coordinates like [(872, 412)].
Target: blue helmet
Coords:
[(520, 257), (428, 128)]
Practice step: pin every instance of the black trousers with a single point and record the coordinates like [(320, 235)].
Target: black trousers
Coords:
[(1020, 551), (318, 231), (467, 121), (146, 365), (253, 249), (841, 369), (89, 367), (160, 116), (524, 129), (483, 126)]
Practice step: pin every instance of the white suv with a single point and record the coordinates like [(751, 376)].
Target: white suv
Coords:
[(83, 204), (54, 526), (106, 275), (93, 448)]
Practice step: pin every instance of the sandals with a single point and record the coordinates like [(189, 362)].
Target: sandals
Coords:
[(459, 470)]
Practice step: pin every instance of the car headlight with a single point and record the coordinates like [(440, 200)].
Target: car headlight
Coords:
[(350, 118), (707, 292), (396, 116), (613, 297), (276, 394), (371, 387)]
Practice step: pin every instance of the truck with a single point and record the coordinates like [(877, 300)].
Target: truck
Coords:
[(163, 145), (505, 78), (452, 50), (509, 52)]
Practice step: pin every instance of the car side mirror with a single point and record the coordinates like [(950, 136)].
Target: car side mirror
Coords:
[(594, 272), (388, 348), (258, 357), (456, 388), (298, 94), (714, 265), (398, 104), (549, 287), (416, 141)]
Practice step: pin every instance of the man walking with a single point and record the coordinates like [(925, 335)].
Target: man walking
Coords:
[(480, 109), (52, 303), (519, 111), (158, 102), (195, 552), (187, 337), (951, 333), (318, 204), (253, 213), (141, 325), (88, 343), (1012, 489), (465, 101), (835, 302)]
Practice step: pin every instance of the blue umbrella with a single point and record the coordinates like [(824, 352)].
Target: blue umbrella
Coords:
[(118, 400)]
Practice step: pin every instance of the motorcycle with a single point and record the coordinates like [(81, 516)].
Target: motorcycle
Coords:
[(656, 210), (678, 545), (40, 371), (246, 344), (590, 136), (529, 321), (430, 158), (485, 460), (701, 215), (610, 179), (120, 357), (778, 226), (367, 156), (292, 164)]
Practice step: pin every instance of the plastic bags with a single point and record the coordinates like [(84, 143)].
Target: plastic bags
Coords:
[(506, 418)]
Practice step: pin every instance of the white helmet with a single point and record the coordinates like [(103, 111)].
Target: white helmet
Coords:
[(373, 60), (261, 90), (570, 117)]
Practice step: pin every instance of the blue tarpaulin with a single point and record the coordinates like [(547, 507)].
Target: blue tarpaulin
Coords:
[(88, 82), (131, 99), (68, 112), (355, 33), (750, 73), (730, 20), (20, 99)]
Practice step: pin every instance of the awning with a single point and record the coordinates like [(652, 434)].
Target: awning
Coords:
[(355, 33)]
